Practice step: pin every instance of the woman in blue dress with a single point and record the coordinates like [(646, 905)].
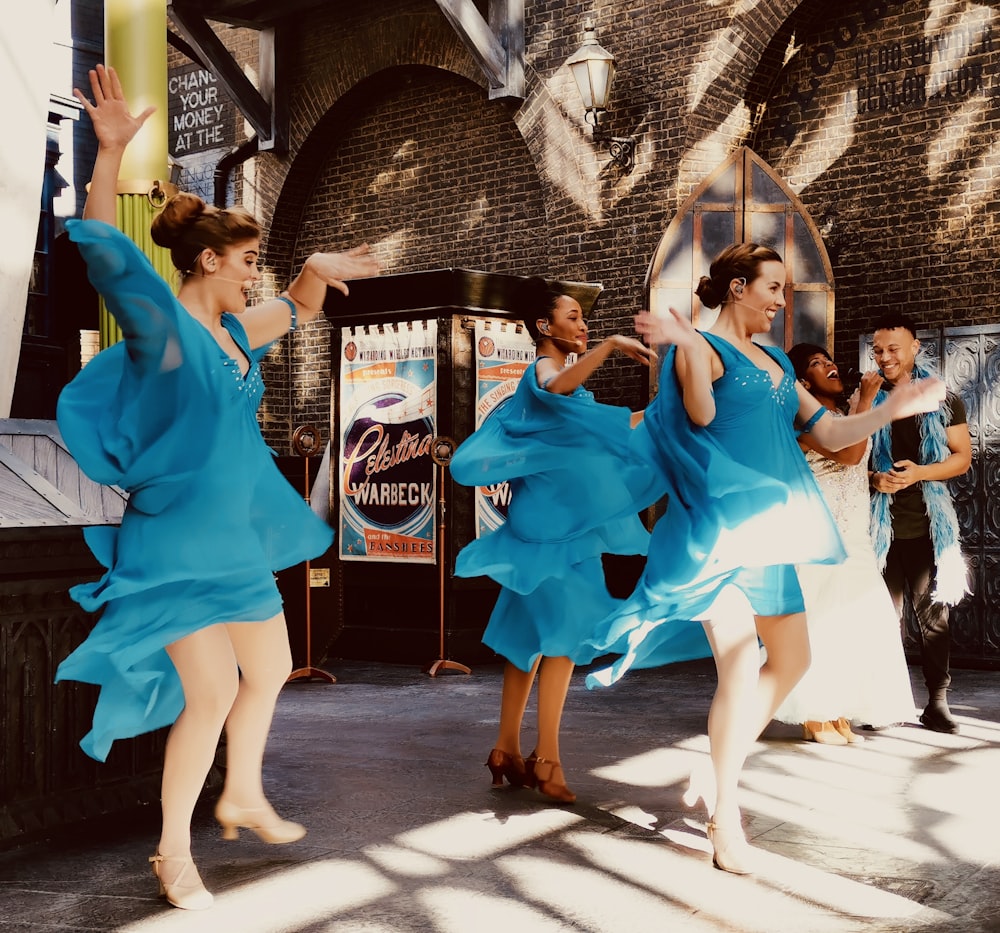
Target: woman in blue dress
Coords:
[(574, 496), (721, 432), (191, 632)]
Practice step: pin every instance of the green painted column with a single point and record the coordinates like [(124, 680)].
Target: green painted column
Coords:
[(135, 45)]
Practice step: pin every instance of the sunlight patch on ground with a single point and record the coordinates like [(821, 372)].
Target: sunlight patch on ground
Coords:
[(656, 768), (285, 901), (484, 835), (459, 910), (589, 899), (784, 888), (406, 862), (691, 886)]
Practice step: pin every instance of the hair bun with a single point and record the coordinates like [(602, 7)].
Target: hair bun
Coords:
[(707, 293), (179, 212)]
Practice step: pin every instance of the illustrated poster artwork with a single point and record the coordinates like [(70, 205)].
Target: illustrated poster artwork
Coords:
[(504, 351), (388, 389)]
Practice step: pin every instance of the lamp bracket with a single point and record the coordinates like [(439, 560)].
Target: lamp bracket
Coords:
[(622, 151)]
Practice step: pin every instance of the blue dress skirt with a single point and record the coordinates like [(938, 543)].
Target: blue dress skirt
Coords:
[(743, 508), (166, 415), (575, 495)]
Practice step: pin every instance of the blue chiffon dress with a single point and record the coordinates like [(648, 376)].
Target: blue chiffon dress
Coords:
[(575, 495), (167, 415), (743, 508)]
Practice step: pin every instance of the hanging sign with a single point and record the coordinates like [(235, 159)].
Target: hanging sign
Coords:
[(504, 351), (388, 387)]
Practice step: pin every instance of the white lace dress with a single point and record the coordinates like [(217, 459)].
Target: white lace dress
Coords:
[(858, 668)]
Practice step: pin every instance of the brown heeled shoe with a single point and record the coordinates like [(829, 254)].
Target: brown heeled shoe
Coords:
[(823, 732), (844, 728), (549, 786), (185, 890), (505, 765)]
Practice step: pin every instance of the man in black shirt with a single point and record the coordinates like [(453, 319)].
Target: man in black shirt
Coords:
[(914, 526)]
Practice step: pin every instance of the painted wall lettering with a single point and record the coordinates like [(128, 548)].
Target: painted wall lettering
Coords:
[(922, 71), (200, 116)]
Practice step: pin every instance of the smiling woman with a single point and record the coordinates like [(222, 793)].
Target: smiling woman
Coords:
[(722, 431), (191, 631)]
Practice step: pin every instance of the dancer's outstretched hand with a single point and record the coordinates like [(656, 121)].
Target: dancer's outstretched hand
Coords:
[(917, 396), (113, 123), (633, 348), (671, 328), (334, 268)]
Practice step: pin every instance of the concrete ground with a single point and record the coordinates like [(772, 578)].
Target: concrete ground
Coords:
[(386, 768)]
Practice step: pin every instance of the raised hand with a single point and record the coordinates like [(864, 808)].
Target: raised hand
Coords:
[(914, 397), (334, 268), (864, 395), (671, 328), (114, 125)]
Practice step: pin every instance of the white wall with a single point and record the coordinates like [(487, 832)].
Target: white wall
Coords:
[(25, 75)]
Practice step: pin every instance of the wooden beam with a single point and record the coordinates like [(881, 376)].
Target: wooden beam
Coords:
[(507, 23), (497, 45), (195, 30)]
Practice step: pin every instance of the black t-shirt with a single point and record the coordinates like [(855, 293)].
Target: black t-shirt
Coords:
[(909, 516)]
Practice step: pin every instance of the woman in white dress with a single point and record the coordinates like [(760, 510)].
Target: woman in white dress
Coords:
[(858, 673)]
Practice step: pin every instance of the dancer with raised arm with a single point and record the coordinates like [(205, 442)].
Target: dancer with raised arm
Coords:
[(574, 496), (191, 632), (721, 430)]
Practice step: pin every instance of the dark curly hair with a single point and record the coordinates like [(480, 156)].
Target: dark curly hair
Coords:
[(800, 355)]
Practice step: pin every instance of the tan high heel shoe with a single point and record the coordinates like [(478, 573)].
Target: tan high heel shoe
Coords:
[(185, 890), (261, 820), (550, 786), (844, 728), (505, 765), (730, 850), (823, 732)]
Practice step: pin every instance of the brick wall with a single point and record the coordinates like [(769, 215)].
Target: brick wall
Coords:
[(395, 140), (888, 115)]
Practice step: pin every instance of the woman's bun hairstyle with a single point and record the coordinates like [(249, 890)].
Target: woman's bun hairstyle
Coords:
[(187, 226), (708, 294), (739, 261), (535, 298)]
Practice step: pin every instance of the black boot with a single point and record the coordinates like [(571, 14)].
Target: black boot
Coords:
[(937, 717)]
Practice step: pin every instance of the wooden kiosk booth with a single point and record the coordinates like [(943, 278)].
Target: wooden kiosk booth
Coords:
[(419, 360)]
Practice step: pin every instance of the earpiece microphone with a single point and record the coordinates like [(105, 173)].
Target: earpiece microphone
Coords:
[(573, 343), (220, 278)]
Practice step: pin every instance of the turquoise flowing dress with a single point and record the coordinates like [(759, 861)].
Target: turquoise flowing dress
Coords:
[(743, 508), (575, 495), (166, 415)]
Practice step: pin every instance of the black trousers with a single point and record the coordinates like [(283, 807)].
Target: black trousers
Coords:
[(909, 570)]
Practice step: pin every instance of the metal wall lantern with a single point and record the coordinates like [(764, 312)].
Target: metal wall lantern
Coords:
[(593, 69)]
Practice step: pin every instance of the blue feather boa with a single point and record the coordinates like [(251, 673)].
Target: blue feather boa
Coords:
[(951, 579)]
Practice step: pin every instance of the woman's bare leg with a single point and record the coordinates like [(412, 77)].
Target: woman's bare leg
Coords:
[(265, 661), (513, 702), (746, 698), (732, 717), (207, 669), (786, 639)]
